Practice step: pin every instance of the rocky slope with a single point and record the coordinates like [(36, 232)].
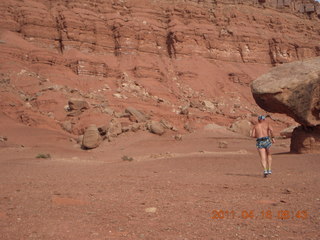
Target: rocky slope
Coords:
[(187, 62)]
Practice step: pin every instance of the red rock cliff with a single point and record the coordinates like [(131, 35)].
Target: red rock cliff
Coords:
[(155, 55)]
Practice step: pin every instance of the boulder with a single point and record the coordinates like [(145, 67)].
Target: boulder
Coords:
[(305, 140), (114, 129), (67, 126), (138, 116), (91, 138), (156, 128), (77, 104), (184, 110), (241, 126), (168, 125), (108, 110), (293, 89), (135, 127), (209, 105)]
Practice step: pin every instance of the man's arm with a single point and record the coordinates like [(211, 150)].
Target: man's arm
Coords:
[(253, 132), (270, 132)]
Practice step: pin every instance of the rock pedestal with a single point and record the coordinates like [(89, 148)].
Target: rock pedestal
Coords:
[(305, 140)]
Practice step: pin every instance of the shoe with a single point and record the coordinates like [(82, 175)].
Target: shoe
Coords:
[(269, 172), (265, 174)]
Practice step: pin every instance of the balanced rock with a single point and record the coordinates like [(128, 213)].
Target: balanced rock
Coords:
[(293, 89), (91, 138), (305, 140)]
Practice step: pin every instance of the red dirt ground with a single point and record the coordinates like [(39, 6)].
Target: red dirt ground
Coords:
[(169, 190)]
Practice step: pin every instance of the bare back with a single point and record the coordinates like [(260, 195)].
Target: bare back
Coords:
[(262, 129)]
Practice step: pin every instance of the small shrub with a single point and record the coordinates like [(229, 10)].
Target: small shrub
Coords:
[(43, 155), (126, 158)]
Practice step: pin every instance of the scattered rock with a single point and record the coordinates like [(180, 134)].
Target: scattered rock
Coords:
[(223, 144), (103, 131), (77, 104), (67, 126), (151, 210), (139, 116), (287, 191), (28, 105), (76, 107), (167, 125), (66, 108), (125, 126), (114, 128), (120, 96), (209, 105), (79, 139), (3, 139), (91, 137), (242, 127), (156, 128), (108, 110), (196, 104), (188, 127), (184, 110), (178, 137), (135, 127)]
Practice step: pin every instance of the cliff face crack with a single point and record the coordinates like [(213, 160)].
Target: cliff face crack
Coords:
[(271, 52), (116, 38), (170, 42), (61, 28), (241, 54)]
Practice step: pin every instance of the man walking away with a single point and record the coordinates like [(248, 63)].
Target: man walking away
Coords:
[(264, 134)]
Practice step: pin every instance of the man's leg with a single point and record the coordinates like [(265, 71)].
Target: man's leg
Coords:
[(269, 160), (263, 158)]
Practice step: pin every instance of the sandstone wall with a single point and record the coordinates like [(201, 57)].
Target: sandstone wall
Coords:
[(164, 54), (216, 30)]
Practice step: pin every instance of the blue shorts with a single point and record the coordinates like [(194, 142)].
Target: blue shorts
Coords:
[(264, 142)]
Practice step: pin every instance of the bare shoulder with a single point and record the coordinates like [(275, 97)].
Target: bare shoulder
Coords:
[(269, 126)]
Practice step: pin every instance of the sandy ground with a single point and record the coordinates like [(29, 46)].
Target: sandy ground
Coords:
[(189, 189)]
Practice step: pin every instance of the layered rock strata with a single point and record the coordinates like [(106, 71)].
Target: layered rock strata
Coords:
[(154, 55)]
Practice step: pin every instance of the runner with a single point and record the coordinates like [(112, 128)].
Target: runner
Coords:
[(264, 134)]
